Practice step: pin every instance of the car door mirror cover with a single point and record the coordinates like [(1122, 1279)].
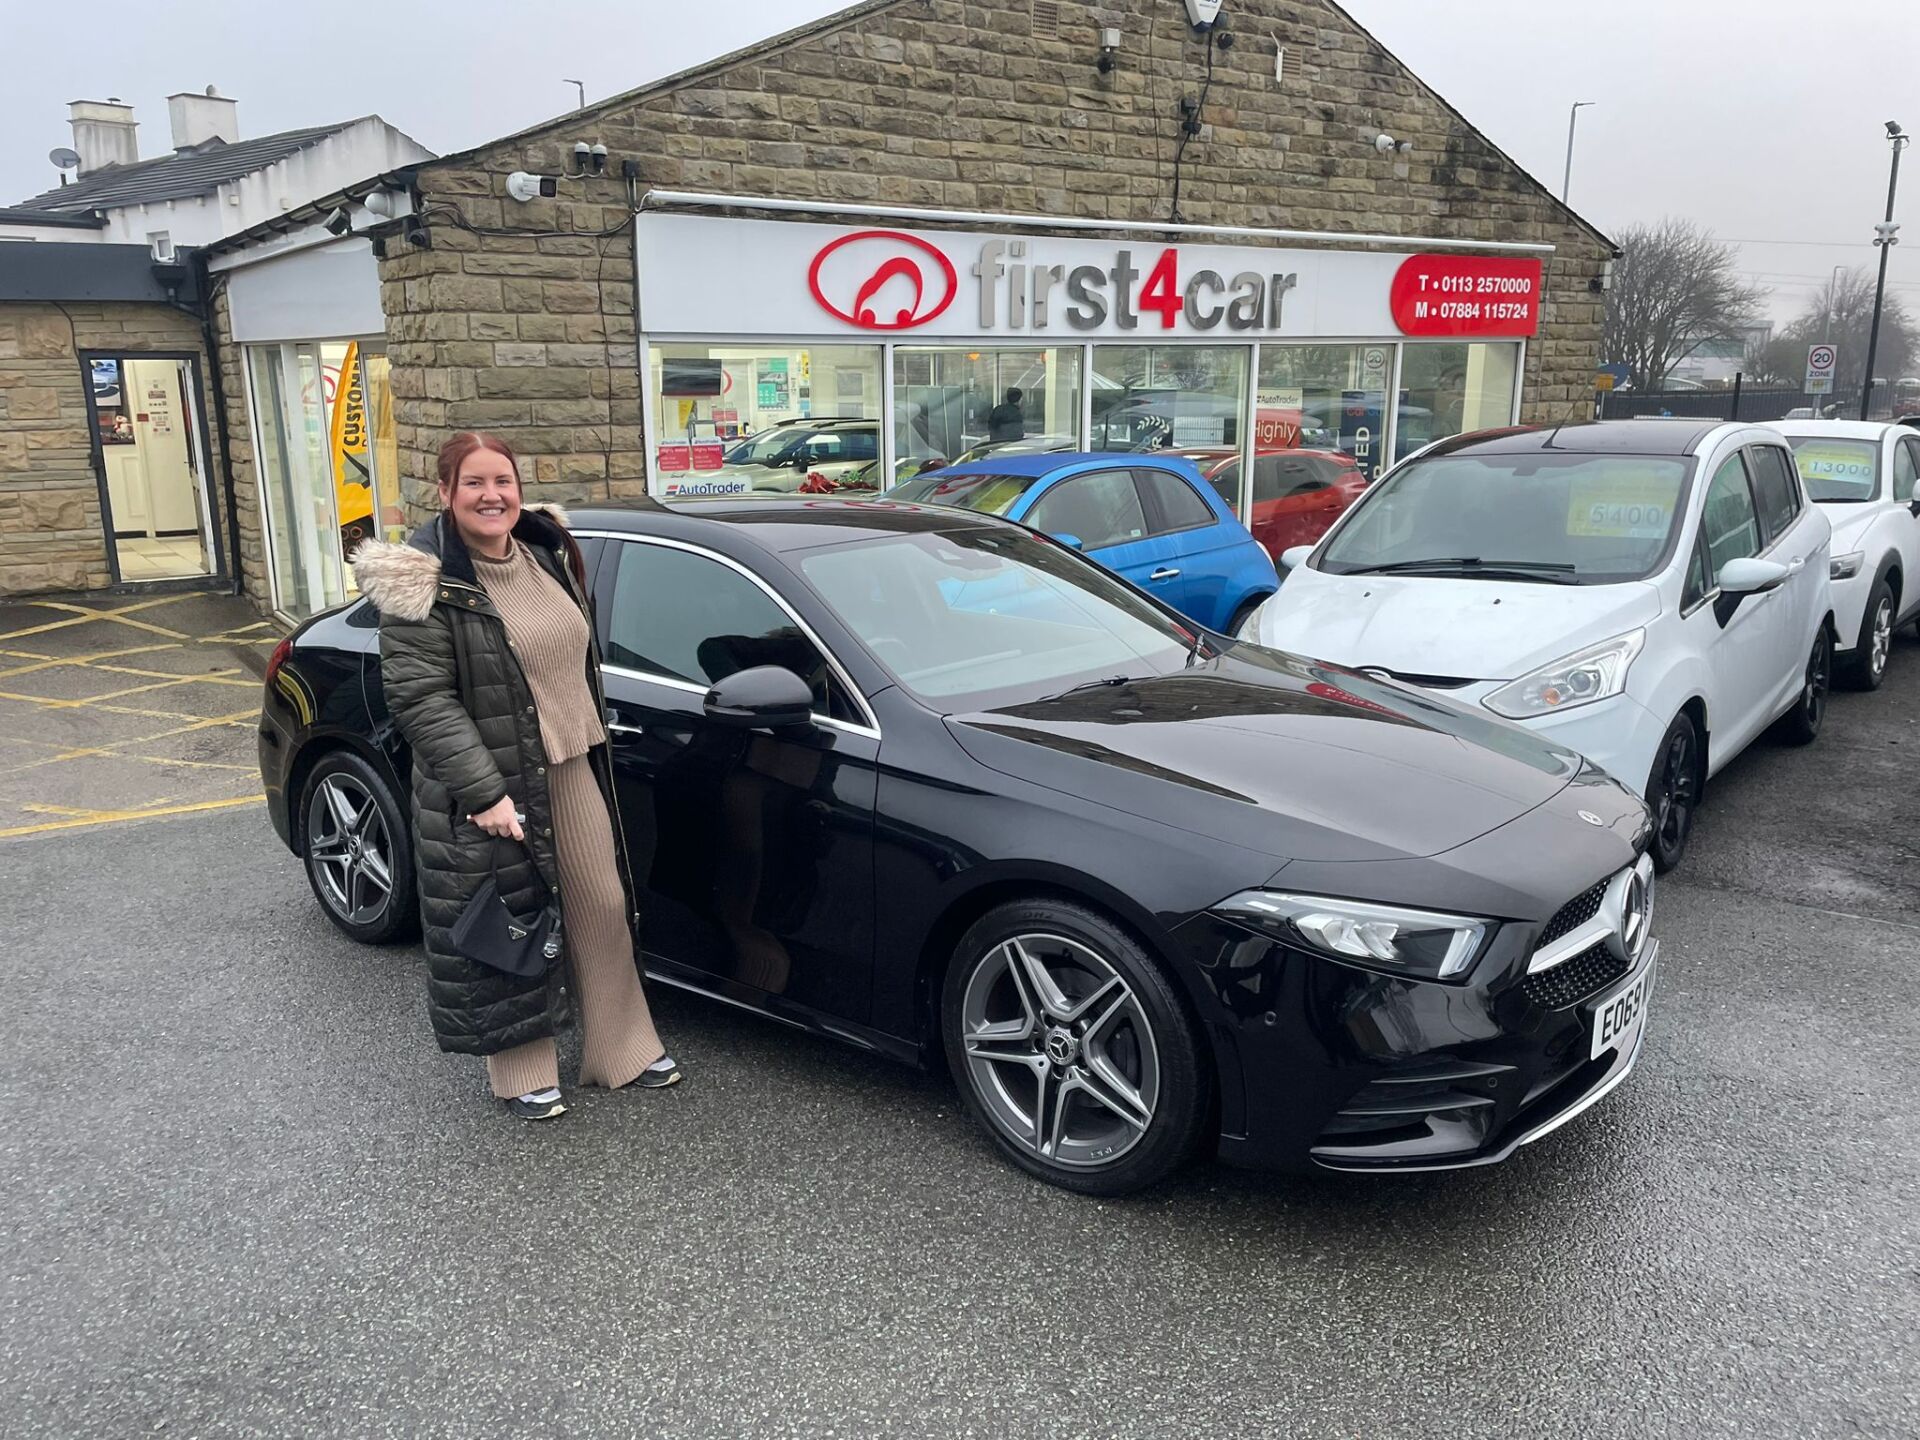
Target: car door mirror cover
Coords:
[(1072, 542), (1294, 556), (764, 697), (1750, 575)]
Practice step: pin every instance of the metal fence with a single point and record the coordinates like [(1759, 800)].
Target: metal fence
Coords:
[(1744, 402)]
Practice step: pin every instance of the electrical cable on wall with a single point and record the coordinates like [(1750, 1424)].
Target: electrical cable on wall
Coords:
[(1190, 126)]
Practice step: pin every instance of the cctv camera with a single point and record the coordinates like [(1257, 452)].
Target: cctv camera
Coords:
[(338, 222), (1893, 128)]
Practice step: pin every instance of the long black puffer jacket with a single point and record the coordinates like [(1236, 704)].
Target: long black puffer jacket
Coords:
[(459, 698)]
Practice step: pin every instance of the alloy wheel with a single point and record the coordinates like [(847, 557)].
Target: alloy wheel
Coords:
[(1679, 778), (1880, 639), (1059, 1050), (1813, 698), (348, 842)]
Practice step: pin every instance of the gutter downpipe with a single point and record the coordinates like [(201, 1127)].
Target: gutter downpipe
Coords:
[(656, 198)]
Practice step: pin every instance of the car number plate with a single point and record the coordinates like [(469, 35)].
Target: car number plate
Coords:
[(1617, 1017)]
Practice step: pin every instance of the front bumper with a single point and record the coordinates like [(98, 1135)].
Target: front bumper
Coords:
[(1345, 1069), (1849, 601)]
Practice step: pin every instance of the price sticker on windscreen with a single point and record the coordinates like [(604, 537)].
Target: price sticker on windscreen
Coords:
[(1619, 508), (1822, 461)]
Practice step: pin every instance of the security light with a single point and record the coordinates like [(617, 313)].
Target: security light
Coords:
[(338, 221)]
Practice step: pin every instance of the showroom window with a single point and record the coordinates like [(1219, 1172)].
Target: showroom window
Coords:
[(1323, 397), (1447, 389), (956, 403), (1178, 397), (772, 419), (328, 459)]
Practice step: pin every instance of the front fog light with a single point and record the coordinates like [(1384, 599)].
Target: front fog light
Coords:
[(1423, 943), (1595, 673), (1845, 567)]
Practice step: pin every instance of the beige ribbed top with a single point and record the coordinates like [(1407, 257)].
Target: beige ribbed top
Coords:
[(548, 635)]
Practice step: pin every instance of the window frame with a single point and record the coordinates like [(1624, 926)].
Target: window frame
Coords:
[(1739, 456), (1155, 513), (1910, 445), (609, 572)]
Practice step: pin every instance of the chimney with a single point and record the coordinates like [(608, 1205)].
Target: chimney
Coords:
[(196, 119), (103, 133)]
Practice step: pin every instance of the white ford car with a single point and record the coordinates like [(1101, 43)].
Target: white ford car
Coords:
[(1863, 476), (1650, 593)]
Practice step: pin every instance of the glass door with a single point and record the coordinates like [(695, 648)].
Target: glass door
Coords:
[(153, 471), (296, 484)]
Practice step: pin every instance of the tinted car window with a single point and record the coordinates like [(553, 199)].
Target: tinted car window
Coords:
[(1905, 468), (1596, 519), (687, 617), (1100, 509), (1728, 521), (1774, 489), (1180, 508), (1842, 470)]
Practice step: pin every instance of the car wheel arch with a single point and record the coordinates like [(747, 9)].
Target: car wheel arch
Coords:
[(317, 749)]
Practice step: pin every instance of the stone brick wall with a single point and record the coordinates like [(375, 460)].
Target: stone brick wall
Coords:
[(962, 104), (252, 560), (51, 536)]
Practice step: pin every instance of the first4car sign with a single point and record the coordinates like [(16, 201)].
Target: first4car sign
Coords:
[(704, 276)]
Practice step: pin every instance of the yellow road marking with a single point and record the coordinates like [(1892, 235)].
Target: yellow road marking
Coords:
[(115, 817), (82, 614), (47, 662)]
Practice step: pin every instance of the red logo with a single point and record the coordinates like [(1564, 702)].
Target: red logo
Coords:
[(882, 280)]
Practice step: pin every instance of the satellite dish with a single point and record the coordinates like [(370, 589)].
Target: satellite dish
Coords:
[(64, 159)]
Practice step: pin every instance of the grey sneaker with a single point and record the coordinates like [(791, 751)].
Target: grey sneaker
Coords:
[(657, 1076), (537, 1105)]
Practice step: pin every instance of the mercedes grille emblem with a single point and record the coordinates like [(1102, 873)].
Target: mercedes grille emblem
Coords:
[(1633, 913)]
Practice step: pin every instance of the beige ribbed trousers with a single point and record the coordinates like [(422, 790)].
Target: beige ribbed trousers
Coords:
[(616, 1026)]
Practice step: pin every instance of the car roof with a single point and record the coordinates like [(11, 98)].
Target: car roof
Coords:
[(1838, 429), (779, 526), (1046, 462), (1679, 436)]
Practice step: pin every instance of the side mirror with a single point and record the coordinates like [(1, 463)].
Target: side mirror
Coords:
[(1294, 556), (1913, 500), (766, 697), (1751, 576), (1072, 542)]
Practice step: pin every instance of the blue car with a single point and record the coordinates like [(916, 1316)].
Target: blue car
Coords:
[(1148, 518)]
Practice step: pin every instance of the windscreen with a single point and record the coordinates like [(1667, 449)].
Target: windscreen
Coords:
[(988, 494), (1847, 471), (1569, 519), (973, 620)]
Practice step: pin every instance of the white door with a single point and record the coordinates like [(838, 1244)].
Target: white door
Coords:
[(1796, 536), (1906, 526), (1742, 647)]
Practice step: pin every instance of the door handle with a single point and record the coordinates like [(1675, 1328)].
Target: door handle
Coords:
[(614, 727), (1165, 572)]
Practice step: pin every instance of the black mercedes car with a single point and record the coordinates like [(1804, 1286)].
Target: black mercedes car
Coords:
[(937, 786)]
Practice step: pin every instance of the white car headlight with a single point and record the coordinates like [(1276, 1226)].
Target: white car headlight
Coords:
[(1420, 943), (1577, 679), (1845, 567)]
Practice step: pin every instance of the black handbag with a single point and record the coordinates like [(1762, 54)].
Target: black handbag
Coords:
[(490, 934)]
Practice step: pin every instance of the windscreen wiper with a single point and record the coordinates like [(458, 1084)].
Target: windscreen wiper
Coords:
[(1552, 571)]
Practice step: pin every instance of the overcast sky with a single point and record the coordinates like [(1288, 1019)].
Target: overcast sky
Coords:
[(1760, 118)]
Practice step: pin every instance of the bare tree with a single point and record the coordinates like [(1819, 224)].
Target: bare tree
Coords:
[(1841, 314), (1674, 288)]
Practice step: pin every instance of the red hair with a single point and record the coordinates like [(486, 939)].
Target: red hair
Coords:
[(454, 454)]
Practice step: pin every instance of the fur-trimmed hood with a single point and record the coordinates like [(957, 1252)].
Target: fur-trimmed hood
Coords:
[(403, 581)]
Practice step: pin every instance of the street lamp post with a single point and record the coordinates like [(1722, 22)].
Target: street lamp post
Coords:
[(1833, 285), (1885, 238), (1573, 115)]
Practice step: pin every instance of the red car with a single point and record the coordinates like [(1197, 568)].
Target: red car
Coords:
[(1297, 494)]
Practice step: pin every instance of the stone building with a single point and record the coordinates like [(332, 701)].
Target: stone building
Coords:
[(1267, 236)]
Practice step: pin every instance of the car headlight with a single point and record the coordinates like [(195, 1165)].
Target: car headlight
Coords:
[(1421, 943), (1845, 567), (1577, 679)]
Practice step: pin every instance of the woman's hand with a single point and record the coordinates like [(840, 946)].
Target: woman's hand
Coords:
[(500, 820)]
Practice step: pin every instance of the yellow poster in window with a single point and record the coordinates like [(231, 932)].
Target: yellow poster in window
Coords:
[(347, 445), (1620, 503)]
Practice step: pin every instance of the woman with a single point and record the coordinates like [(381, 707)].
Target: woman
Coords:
[(490, 670)]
